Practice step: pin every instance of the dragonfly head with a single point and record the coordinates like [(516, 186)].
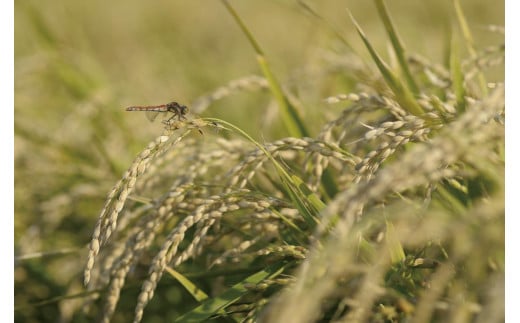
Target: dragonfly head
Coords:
[(179, 109), (184, 109)]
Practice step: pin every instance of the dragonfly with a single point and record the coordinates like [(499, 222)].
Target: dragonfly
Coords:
[(152, 111)]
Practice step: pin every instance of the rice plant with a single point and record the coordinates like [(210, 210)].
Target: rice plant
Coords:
[(391, 210), (412, 230)]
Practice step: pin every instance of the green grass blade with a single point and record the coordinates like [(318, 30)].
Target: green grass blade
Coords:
[(195, 291), (242, 26), (395, 247), (289, 114), (291, 225), (457, 76), (450, 200), (403, 95), (365, 250), (446, 52), (43, 32), (397, 45), (212, 306), (330, 189), (298, 202), (304, 199), (308, 209), (339, 35), (469, 42), (313, 199)]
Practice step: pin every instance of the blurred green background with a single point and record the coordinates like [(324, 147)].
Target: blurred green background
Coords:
[(79, 63)]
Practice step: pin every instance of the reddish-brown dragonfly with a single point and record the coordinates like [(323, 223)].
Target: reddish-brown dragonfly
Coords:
[(152, 111)]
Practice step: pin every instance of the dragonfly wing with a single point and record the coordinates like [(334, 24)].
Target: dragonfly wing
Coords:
[(151, 115)]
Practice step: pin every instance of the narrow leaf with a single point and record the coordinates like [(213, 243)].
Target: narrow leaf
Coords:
[(402, 94), (469, 43), (212, 306), (195, 291), (397, 45), (457, 76), (289, 114), (394, 245)]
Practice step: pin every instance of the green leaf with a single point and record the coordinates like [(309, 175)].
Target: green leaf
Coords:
[(397, 45), (304, 199), (212, 306), (469, 42), (457, 76), (289, 115), (194, 290), (394, 245), (402, 94)]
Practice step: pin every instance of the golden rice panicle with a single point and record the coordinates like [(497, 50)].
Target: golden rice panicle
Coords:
[(107, 220)]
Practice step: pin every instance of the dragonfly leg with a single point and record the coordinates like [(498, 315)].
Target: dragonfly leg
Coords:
[(171, 120)]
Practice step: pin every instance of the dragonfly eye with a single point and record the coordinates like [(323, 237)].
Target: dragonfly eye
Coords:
[(172, 105)]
